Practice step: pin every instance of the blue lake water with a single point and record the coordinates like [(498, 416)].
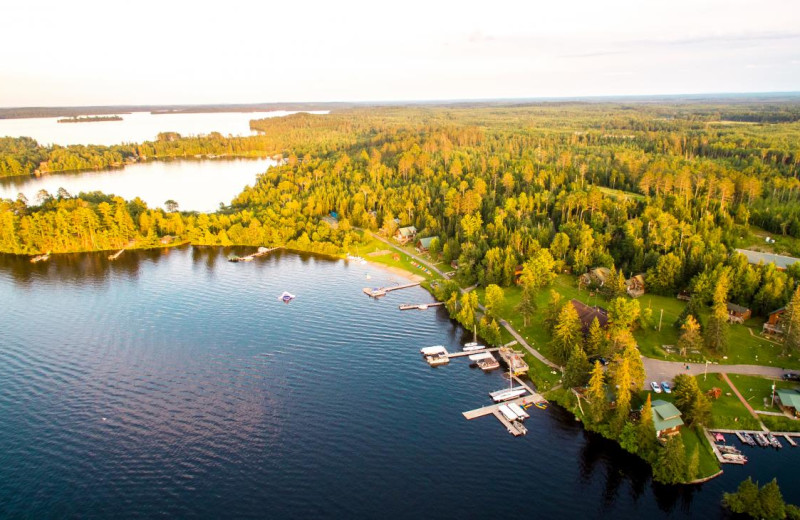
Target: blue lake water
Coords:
[(174, 383)]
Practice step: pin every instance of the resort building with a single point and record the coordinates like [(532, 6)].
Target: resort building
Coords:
[(737, 313), (757, 257), (596, 276), (634, 286), (789, 401), (588, 314), (423, 244), (405, 235), (773, 324), (666, 418)]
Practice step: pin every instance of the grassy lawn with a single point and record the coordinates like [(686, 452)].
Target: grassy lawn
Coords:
[(622, 194), (758, 390), (727, 412), (694, 439), (784, 245), (371, 246), (781, 424), (541, 374)]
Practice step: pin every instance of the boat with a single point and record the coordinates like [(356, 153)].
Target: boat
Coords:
[(734, 458), (427, 351), (719, 437), (473, 348), (542, 405), (507, 395), (774, 442), (435, 355), (761, 440), (286, 297), (517, 409), (485, 360), (40, 258), (470, 344), (507, 413), (723, 448), (747, 439)]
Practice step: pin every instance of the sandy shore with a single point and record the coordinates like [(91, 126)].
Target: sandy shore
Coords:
[(398, 272)]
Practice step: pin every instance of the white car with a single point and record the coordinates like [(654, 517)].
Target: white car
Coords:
[(655, 387)]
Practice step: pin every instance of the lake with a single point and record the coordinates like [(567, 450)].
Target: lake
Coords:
[(197, 185), (135, 127), (174, 383)]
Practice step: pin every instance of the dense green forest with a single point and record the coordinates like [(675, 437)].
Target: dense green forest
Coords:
[(656, 189)]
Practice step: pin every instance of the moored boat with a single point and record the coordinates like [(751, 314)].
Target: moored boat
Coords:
[(761, 440), (506, 395), (774, 442), (747, 439)]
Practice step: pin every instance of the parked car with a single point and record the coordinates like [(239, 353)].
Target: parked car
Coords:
[(791, 376), (603, 361), (655, 387), (665, 386)]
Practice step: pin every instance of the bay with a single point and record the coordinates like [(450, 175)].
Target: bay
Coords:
[(174, 383)]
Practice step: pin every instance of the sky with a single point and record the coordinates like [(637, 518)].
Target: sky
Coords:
[(86, 52)]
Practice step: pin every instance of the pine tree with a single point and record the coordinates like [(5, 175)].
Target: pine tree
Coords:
[(567, 333), (790, 322), (595, 340), (596, 393), (745, 500), (671, 465), (527, 305), (552, 311), (771, 501), (716, 333), (645, 431), (690, 337), (576, 373)]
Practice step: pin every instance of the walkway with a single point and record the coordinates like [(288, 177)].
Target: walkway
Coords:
[(742, 399), (535, 353)]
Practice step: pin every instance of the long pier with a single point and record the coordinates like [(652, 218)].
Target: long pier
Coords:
[(469, 353), (420, 306), (377, 292), (249, 258), (753, 432)]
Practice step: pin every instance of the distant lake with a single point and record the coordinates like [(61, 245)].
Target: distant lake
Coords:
[(172, 383), (134, 128), (196, 185)]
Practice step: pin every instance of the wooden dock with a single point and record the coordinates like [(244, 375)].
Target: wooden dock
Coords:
[(116, 255), (753, 432), (377, 292), (420, 306), (469, 353), (791, 441), (249, 258)]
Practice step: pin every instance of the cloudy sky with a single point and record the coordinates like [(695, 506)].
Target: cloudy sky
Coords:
[(86, 52)]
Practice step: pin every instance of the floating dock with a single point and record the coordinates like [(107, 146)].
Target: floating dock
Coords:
[(420, 306), (377, 292), (514, 361), (249, 258), (791, 441), (116, 255)]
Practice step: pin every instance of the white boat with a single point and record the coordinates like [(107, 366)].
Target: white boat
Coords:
[(470, 344), (507, 412), (430, 351), (480, 355), (286, 297), (517, 409), (473, 348), (435, 355), (508, 395)]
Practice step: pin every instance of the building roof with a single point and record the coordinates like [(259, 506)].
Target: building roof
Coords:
[(665, 415), (426, 242), (732, 307), (406, 232), (757, 257), (588, 314), (638, 278), (789, 398), (778, 311)]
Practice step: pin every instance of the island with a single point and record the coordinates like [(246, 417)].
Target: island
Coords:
[(89, 119)]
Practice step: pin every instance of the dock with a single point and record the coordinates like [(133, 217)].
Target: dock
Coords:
[(377, 292), (471, 352), (791, 441), (249, 258), (420, 306), (116, 255)]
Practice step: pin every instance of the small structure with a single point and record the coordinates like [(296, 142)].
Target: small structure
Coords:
[(166, 240), (518, 273), (423, 244), (757, 257), (684, 296), (634, 286), (773, 324), (789, 400), (588, 314), (516, 364), (596, 276), (737, 313), (435, 355), (405, 235), (666, 418)]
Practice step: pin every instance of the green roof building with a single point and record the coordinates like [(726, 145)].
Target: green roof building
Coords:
[(666, 418), (790, 400)]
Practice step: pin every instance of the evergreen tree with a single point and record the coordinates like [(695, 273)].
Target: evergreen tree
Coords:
[(595, 340), (645, 431), (790, 322), (691, 401), (771, 501), (693, 308), (671, 465), (527, 305), (576, 373), (690, 337), (553, 310), (716, 333), (494, 298), (596, 393), (567, 333), (469, 306), (745, 500)]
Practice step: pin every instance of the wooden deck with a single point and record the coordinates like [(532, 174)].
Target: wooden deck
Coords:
[(464, 354)]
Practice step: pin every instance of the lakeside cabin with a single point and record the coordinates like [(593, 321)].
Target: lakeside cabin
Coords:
[(757, 257), (737, 313), (405, 235), (423, 244), (666, 418), (596, 276), (789, 401), (773, 324), (588, 314), (634, 286)]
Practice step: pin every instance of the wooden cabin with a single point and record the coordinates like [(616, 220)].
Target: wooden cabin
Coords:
[(423, 244), (789, 401), (773, 324), (587, 315), (666, 418), (596, 276), (737, 313), (405, 235), (634, 286)]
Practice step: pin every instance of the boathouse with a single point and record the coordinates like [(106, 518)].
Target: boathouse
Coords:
[(405, 235), (588, 314), (789, 401), (666, 418)]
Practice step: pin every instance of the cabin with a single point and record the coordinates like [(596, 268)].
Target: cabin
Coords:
[(596, 276), (405, 235), (789, 401), (737, 313), (587, 315), (423, 244), (757, 257), (666, 418), (773, 324), (634, 286)]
